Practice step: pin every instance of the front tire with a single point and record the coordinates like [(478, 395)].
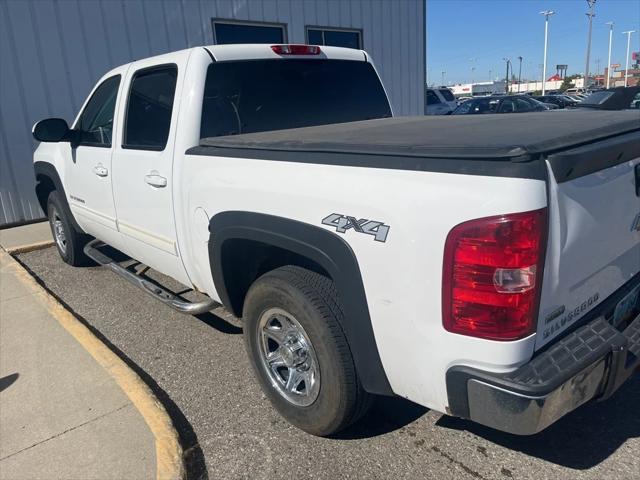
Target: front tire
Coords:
[(294, 338), (69, 242)]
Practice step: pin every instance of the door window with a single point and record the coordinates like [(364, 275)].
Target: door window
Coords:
[(96, 121), (148, 116)]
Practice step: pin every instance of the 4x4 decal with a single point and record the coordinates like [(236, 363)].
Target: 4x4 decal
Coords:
[(371, 227)]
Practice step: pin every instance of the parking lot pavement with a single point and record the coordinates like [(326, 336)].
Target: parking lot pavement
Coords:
[(198, 368)]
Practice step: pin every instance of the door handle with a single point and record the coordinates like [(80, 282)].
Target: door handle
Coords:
[(100, 170), (155, 179)]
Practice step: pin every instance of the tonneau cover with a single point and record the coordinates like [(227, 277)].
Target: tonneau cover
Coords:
[(493, 137)]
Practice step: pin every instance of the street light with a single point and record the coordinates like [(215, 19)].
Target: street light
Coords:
[(609, 60), (547, 14), (589, 14), (506, 78), (519, 73), (626, 68), (443, 73)]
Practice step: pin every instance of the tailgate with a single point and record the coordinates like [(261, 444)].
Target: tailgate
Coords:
[(594, 231)]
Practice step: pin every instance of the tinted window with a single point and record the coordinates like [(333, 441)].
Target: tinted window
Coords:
[(334, 38), (96, 121), (289, 94), (226, 33), (447, 94), (477, 106), (149, 109), (432, 98)]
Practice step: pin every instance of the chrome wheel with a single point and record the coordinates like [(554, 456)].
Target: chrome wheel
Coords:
[(288, 357), (58, 231)]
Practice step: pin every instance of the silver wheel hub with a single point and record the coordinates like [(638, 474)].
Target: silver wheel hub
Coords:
[(288, 357), (58, 231)]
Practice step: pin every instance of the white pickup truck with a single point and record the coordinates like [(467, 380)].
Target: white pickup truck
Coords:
[(485, 267)]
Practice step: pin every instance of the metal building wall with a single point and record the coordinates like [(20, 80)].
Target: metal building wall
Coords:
[(53, 51)]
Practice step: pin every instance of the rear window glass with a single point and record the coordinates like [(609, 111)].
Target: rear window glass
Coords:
[(598, 98), (261, 95), (447, 94)]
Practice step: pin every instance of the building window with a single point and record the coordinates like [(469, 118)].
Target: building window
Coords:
[(334, 37), (232, 31)]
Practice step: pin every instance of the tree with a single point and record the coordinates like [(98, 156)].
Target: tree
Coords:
[(568, 82)]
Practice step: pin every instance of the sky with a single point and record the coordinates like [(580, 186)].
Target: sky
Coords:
[(462, 34)]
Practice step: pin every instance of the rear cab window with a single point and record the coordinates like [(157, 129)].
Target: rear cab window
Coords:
[(261, 95)]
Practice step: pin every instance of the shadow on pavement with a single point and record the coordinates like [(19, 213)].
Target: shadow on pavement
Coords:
[(386, 415), (6, 382), (582, 439)]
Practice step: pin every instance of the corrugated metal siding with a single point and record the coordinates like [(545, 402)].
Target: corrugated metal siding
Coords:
[(53, 51)]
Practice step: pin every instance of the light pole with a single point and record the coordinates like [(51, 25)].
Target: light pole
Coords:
[(490, 75), (547, 14), (519, 73), (609, 59), (589, 14), (506, 78), (626, 68), (443, 73)]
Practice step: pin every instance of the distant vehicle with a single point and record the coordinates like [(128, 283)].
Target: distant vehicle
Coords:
[(618, 98), (501, 104), (463, 99), (440, 101), (571, 91), (560, 101)]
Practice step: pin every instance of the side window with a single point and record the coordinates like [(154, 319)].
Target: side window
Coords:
[(432, 98), (148, 116), (96, 121)]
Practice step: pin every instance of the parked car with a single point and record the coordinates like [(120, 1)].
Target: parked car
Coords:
[(574, 91), (421, 257), (440, 101), (561, 101), (618, 98), (501, 104)]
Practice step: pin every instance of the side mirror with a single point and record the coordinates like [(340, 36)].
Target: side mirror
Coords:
[(51, 130)]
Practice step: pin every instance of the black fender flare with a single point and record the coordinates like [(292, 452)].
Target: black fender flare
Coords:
[(48, 170), (326, 249)]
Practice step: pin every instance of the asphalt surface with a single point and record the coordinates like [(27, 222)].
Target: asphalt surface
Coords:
[(199, 370)]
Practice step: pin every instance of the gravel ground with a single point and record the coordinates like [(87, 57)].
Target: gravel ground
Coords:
[(198, 368)]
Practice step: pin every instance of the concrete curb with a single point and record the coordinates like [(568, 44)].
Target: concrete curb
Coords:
[(30, 247), (169, 454)]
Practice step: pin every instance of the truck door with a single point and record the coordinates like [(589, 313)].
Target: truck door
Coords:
[(88, 170), (143, 163)]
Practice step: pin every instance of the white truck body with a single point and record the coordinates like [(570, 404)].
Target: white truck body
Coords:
[(158, 207)]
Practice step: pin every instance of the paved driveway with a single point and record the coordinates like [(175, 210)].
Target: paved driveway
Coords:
[(198, 367)]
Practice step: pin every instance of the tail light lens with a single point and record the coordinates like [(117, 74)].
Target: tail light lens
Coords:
[(492, 275), (294, 49)]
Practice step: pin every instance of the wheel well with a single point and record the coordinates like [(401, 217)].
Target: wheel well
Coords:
[(44, 187), (244, 261)]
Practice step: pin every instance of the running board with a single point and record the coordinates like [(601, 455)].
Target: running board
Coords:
[(159, 293)]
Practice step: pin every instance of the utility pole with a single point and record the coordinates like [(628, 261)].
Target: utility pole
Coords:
[(506, 77), (590, 14), (547, 14), (626, 68), (609, 59), (519, 74)]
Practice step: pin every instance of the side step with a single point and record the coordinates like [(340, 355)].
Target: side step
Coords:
[(159, 293)]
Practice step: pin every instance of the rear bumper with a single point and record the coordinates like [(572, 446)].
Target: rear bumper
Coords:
[(590, 363)]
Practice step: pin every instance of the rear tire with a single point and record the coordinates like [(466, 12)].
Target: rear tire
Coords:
[(292, 330), (68, 240)]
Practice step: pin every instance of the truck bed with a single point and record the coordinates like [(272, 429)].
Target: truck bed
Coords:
[(502, 145)]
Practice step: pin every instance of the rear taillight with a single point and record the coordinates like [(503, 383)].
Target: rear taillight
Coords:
[(492, 275), (294, 49)]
